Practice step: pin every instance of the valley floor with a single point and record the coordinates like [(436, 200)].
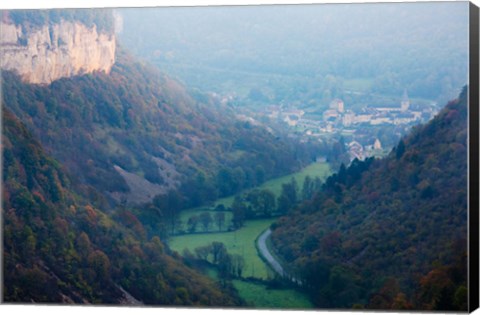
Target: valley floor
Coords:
[(243, 242)]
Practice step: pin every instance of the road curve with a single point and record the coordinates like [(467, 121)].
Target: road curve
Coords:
[(262, 247)]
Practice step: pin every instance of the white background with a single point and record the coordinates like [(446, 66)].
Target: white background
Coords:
[(88, 310), (9, 4)]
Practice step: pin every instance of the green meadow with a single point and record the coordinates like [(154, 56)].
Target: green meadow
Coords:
[(241, 242), (260, 296)]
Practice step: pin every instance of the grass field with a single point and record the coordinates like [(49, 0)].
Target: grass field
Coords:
[(260, 296), (321, 170), (241, 242)]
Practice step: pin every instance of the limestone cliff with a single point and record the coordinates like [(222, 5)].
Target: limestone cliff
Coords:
[(50, 52)]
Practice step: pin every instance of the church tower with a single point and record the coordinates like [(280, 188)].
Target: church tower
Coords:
[(405, 101)]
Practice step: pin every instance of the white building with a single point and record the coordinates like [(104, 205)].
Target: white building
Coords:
[(380, 120), (362, 118), (348, 118)]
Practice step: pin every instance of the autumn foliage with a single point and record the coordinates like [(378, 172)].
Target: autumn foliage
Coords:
[(390, 233)]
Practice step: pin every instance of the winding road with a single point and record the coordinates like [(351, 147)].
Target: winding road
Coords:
[(262, 247)]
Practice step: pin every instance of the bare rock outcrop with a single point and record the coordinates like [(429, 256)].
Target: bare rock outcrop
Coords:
[(50, 52)]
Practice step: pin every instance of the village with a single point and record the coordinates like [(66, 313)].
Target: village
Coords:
[(338, 119)]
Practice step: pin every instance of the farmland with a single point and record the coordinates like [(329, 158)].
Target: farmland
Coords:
[(241, 242)]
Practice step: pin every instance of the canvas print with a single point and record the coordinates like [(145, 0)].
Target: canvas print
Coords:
[(258, 157)]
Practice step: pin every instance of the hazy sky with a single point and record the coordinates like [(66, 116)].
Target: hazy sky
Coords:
[(407, 42)]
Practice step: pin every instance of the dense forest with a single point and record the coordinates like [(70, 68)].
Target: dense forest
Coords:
[(390, 233), (58, 248)]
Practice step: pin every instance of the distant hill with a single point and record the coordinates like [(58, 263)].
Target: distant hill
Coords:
[(308, 53), (390, 233), (58, 248)]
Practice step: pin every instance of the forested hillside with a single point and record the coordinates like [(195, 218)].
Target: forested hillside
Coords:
[(135, 133), (90, 158), (58, 248), (389, 233)]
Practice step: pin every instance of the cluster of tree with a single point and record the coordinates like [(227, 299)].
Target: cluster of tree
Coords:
[(228, 265), (262, 203), (205, 219), (289, 196), (101, 18), (403, 217), (256, 203), (58, 248), (346, 178), (337, 153)]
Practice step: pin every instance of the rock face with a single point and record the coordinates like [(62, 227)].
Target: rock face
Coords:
[(51, 52)]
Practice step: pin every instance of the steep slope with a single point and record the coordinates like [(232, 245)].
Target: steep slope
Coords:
[(137, 128), (59, 249), (389, 233)]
